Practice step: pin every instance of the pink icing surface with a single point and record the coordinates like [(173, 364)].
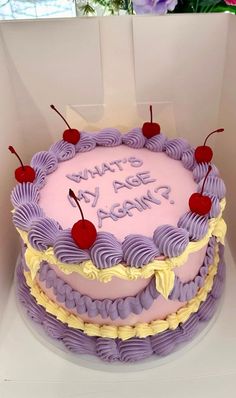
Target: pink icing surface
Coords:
[(166, 171)]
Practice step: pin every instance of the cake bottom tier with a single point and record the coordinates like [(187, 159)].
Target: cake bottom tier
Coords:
[(130, 350)]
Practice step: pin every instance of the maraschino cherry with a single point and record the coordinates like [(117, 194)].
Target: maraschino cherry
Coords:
[(24, 173), (199, 203), (150, 129), (83, 231), (70, 135), (204, 153)]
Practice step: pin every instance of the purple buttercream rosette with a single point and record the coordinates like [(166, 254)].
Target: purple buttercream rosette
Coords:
[(159, 7)]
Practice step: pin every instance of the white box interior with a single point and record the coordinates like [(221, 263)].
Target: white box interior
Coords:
[(99, 70)]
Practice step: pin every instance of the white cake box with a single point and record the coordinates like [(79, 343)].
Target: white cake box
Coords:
[(105, 72)]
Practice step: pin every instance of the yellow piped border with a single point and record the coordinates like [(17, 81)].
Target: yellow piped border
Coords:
[(126, 332)]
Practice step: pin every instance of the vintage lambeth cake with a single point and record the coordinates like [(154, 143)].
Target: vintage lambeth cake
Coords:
[(122, 241)]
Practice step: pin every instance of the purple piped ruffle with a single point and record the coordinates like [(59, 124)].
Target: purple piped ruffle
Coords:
[(201, 169), (130, 350), (45, 161), (63, 150), (171, 241), (24, 193), (66, 250), (26, 214), (134, 138), (108, 137), (86, 142), (156, 143), (106, 251), (188, 159), (42, 233), (214, 186), (40, 179), (195, 224), (123, 307), (139, 250), (215, 206), (176, 147)]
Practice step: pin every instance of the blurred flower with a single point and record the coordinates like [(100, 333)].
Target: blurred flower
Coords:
[(230, 2), (154, 6)]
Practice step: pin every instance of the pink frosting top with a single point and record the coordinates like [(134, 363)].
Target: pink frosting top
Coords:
[(147, 174)]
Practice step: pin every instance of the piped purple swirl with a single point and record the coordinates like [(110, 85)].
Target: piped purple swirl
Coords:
[(195, 224), (215, 206), (139, 250), (108, 137), (44, 160), (134, 138), (176, 147), (171, 241), (201, 169), (26, 214), (107, 349), (24, 193), (86, 142), (63, 150), (156, 143), (40, 179), (106, 251), (42, 233), (67, 251), (214, 186), (188, 159)]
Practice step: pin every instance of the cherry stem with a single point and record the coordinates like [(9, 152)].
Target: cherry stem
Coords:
[(73, 196), (150, 107), (56, 110), (209, 170), (12, 150), (213, 132)]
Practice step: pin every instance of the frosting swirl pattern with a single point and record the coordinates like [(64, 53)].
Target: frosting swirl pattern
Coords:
[(156, 143), (175, 148), (63, 150), (201, 169), (214, 185), (171, 241), (25, 214), (44, 160), (195, 224), (24, 193), (139, 250), (86, 142), (188, 159), (134, 138), (42, 233), (66, 250), (108, 137), (106, 251)]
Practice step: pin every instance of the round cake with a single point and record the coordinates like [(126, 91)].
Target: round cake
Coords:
[(135, 270)]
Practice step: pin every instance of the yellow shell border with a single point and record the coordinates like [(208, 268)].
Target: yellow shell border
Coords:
[(125, 332)]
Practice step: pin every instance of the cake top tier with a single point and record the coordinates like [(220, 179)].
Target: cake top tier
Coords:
[(134, 189)]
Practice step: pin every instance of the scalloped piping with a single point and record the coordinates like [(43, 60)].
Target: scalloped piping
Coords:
[(87, 269), (125, 332)]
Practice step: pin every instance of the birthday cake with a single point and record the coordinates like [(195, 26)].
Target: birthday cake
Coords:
[(122, 241)]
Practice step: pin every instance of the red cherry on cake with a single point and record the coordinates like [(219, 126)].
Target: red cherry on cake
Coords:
[(150, 129), (204, 153), (70, 135), (24, 173), (199, 203), (83, 231)]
